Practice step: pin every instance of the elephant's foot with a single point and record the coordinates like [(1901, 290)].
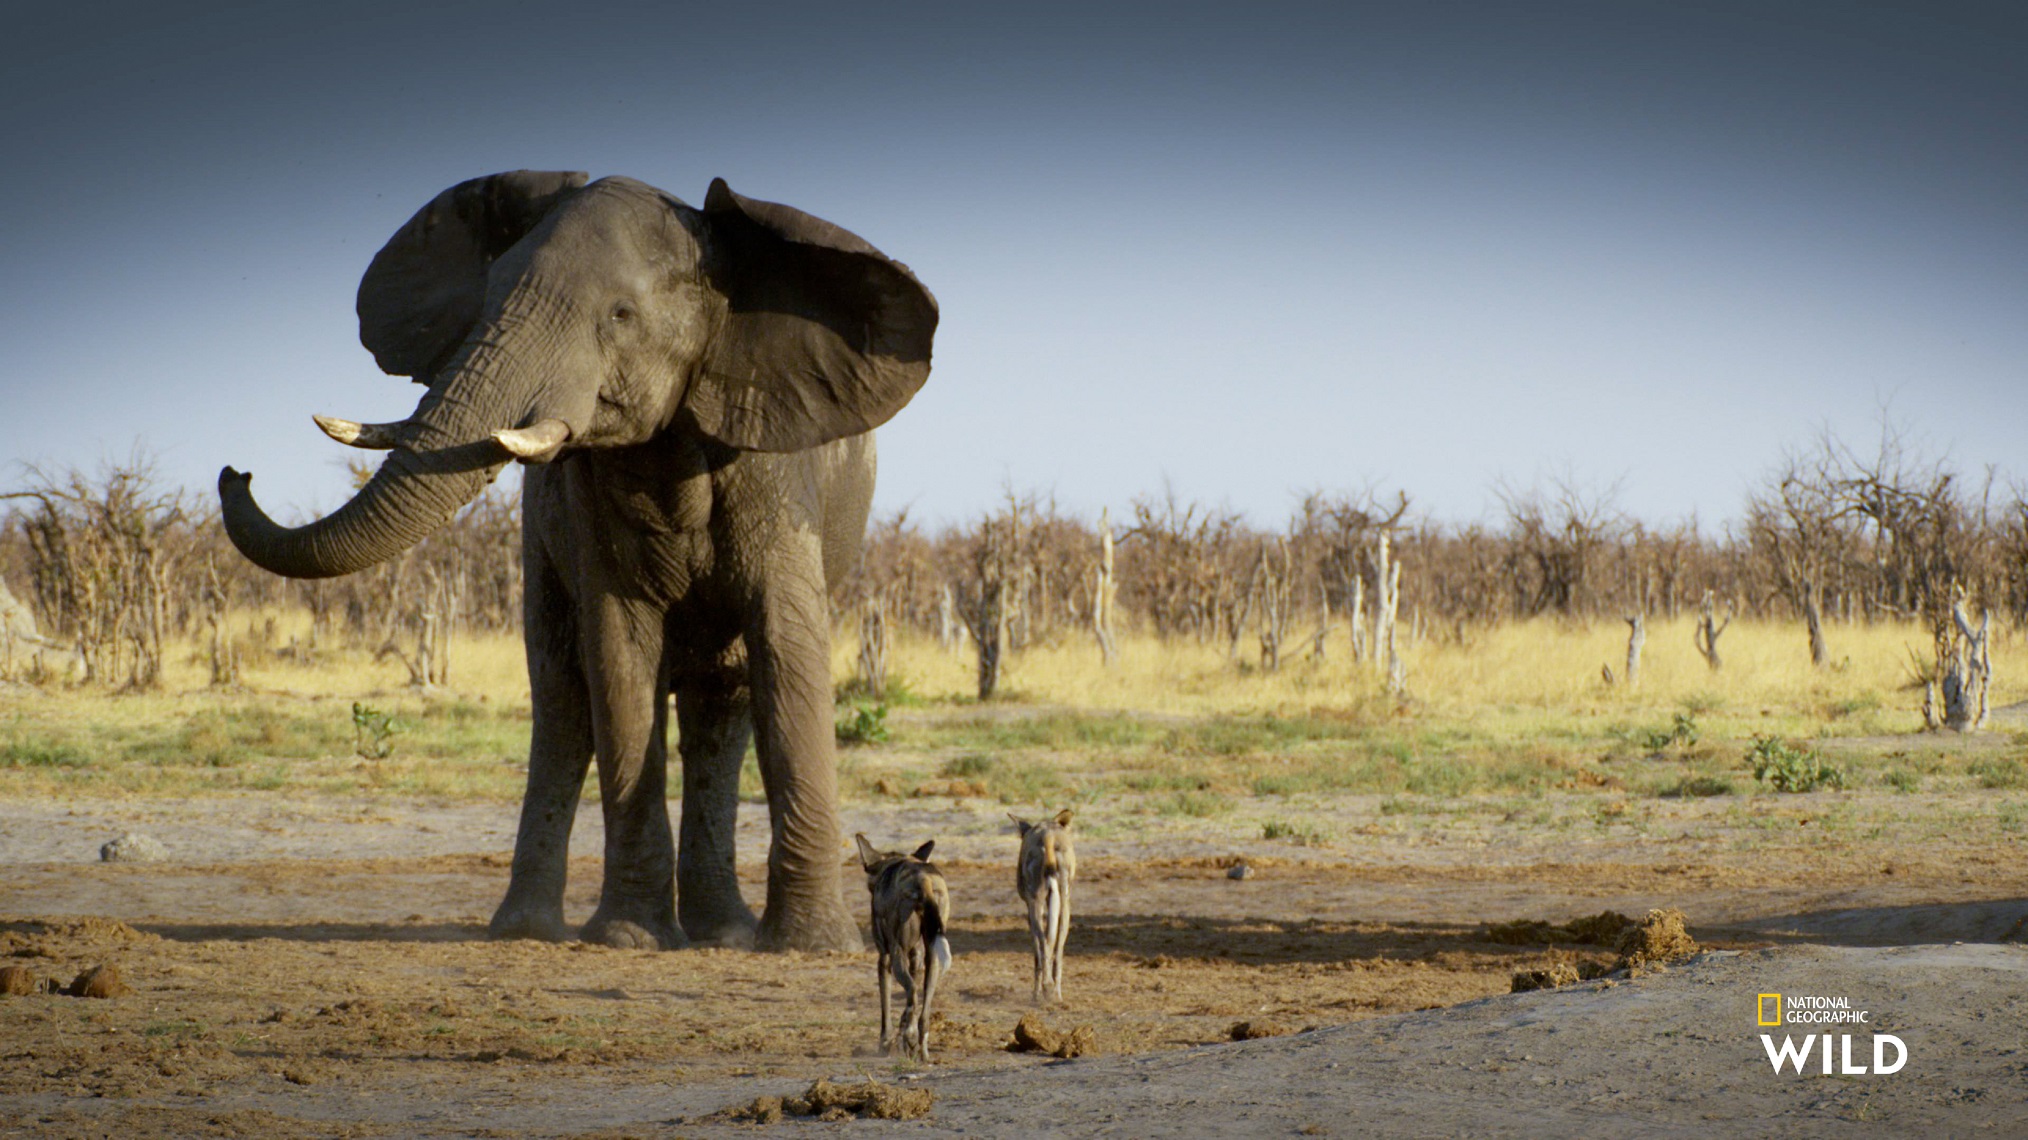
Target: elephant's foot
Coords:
[(722, 921), (815, 928), (539, 921), (632, 934)]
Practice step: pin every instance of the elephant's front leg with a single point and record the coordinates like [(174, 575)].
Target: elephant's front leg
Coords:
[(712, 732), (788, 641), (559, 751), (623, 655)]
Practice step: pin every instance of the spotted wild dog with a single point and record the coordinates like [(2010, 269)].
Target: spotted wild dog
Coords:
[(910, 907), (1042, 875)]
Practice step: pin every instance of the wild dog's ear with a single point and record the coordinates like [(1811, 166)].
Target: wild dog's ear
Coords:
[(867, 855), (1063, 818), (1023, 824), (923, 851)]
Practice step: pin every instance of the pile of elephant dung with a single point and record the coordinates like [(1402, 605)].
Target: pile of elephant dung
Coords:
[(99, 982), (1659, 937), (829, 1101), (1602, 929), (1033, 1035), (1558, 974)]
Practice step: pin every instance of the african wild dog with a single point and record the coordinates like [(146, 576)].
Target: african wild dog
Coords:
[(1042, 875), (910, 907)]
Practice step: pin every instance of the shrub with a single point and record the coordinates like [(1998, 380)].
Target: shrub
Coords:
[(1682, 731), (373, 732), (1787, 768), (863, 724)]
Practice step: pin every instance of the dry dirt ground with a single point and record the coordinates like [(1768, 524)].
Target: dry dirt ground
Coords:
[(319, 968)]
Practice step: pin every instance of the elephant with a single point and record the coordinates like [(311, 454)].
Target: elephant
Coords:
[(694, 393)]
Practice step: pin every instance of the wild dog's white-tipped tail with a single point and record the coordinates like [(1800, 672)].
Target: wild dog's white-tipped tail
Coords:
[(1052, 904), (942, 949)]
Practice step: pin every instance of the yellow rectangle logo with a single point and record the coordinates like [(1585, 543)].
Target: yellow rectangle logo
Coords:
[(1770, 1012)]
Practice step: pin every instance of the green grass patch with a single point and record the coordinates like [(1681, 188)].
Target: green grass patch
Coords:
[(1698, 787), (1195, 805), (38, 753), (2007, 773), (1302, 835), (1902, 779)]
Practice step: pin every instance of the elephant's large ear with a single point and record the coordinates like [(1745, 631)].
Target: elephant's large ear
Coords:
[(422, 294), (825, 336)]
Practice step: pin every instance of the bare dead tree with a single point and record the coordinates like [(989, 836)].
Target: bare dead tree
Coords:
[(1558, 539), (1956, 698), (1796, 524), (1273, 578), (1637, 636), (988, 599), (101, 552), (1708, 630), (1180, 562), (218, 615), (872, 662), (1104, 592)]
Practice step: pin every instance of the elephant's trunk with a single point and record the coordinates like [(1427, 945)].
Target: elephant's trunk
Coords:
[(406, 500), (446, 459)]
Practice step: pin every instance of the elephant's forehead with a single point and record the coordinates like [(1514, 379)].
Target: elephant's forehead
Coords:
[(615, 213)]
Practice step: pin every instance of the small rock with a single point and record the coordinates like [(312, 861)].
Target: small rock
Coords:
[(1239, 871), (100, 982), (16, 981), (133, 847)]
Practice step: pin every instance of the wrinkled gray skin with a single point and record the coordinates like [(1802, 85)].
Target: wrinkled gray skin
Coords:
[(696, 390)]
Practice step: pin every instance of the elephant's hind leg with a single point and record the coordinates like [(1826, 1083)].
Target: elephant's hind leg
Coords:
[(712, 732), (559, 751)]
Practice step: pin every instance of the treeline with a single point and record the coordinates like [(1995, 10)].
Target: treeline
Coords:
[(1826, 538), (112, 565)]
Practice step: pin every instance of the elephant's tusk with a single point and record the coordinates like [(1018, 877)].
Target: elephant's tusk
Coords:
[(535, 443), (373, 437)]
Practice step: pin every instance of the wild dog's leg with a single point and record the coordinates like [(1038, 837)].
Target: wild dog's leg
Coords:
[(906, 970), (1038, 938), (1060, 936), (713, 728), (885, 964)]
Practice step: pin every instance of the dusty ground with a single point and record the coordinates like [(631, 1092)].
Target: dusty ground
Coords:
[(318, 967)]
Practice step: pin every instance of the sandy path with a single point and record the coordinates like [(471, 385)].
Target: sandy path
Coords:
[(317, 967)]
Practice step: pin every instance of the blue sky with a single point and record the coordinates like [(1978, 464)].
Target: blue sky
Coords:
[(1251, 250)]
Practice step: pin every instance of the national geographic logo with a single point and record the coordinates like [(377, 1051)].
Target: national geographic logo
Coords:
[(1818, 1009)]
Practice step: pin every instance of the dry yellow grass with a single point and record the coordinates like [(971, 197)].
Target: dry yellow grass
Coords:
[(1518, 671), (1528, 694)]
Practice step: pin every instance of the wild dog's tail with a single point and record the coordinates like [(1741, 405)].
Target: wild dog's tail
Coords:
[(1052, 903), (933, 932)]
